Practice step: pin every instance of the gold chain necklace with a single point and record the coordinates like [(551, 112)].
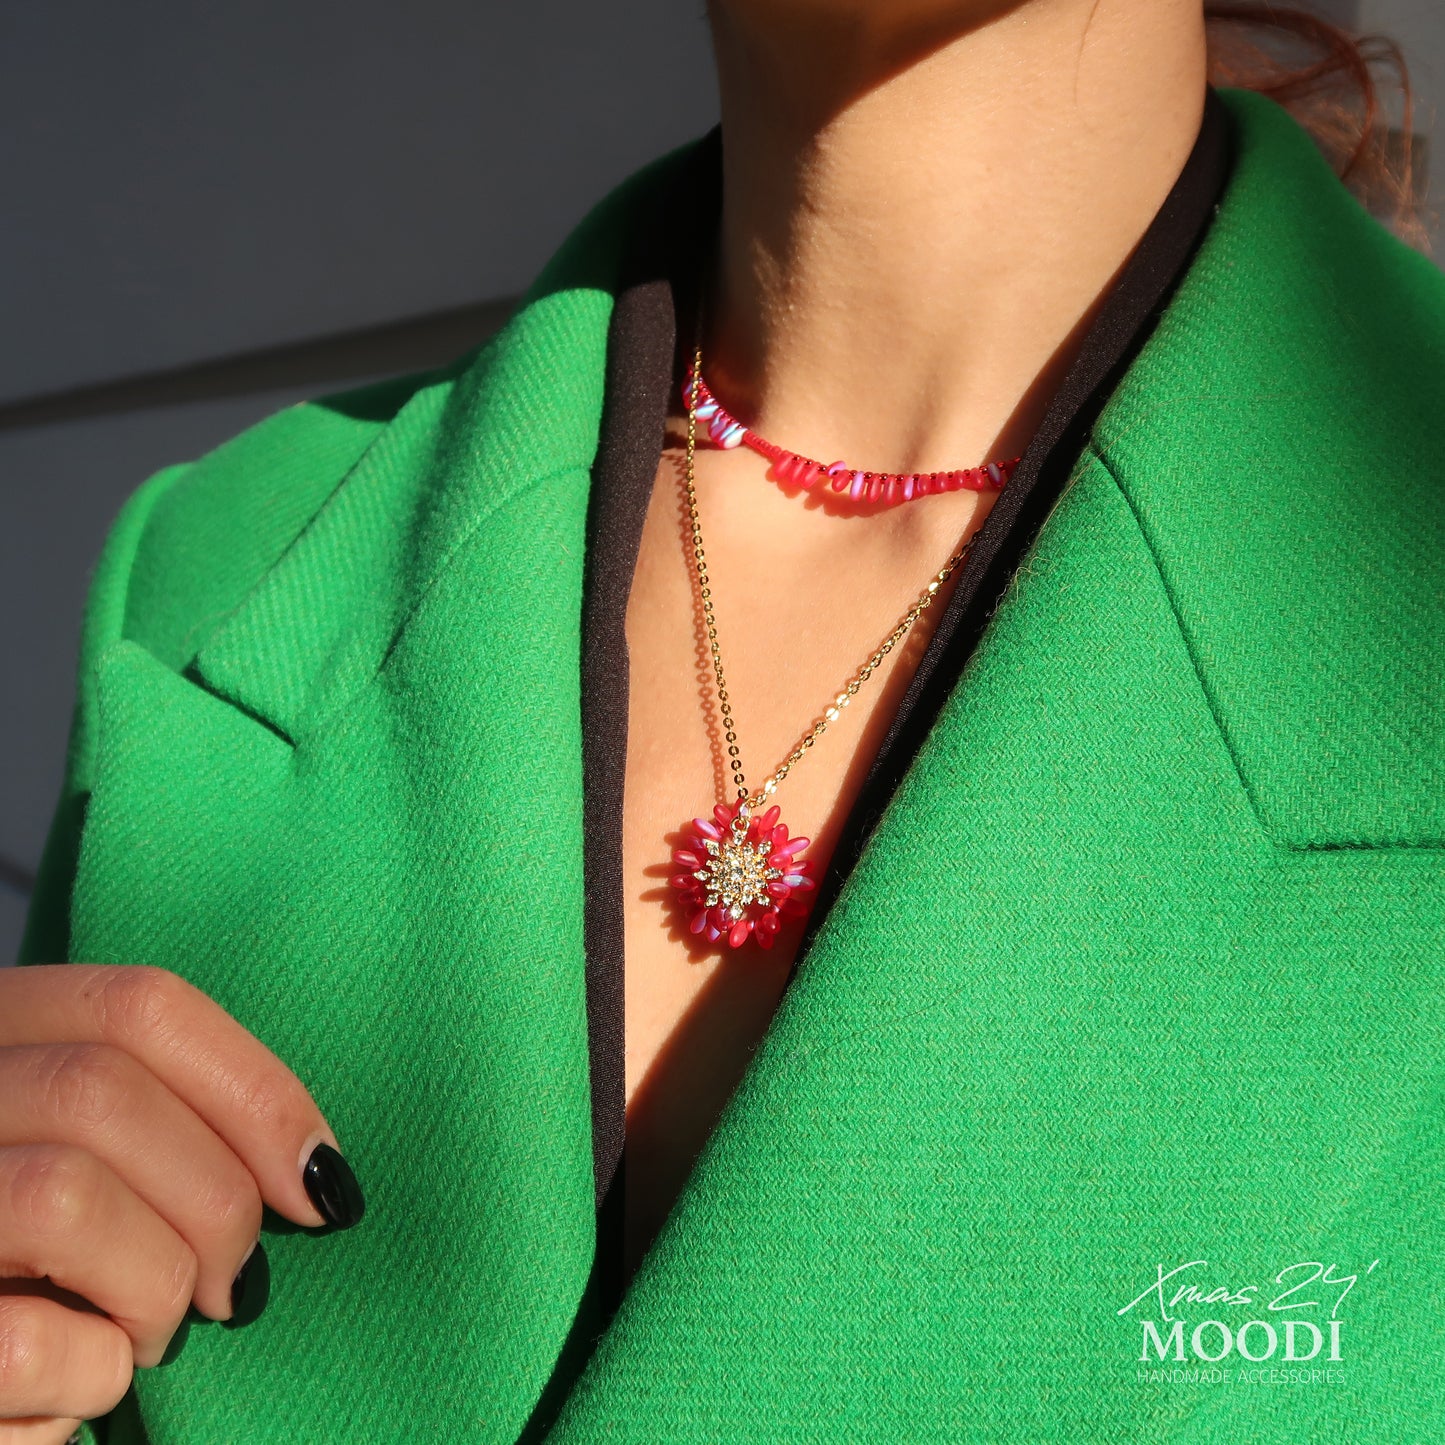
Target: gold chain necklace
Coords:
[(740, 871)]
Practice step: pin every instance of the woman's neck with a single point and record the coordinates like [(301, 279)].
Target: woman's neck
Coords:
[(921, 211)]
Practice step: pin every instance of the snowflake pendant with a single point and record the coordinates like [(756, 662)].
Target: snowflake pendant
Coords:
[(741, 874)]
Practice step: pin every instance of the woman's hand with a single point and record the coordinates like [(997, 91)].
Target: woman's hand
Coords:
[(141, 1130)]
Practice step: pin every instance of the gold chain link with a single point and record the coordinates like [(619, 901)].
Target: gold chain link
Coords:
[(862, 675)]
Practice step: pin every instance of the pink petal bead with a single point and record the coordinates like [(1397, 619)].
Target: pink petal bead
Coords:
[(738, 933), (909, 483), (707, 829)]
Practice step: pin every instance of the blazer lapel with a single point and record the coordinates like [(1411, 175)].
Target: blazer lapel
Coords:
[(354, 819), (955, 1151)]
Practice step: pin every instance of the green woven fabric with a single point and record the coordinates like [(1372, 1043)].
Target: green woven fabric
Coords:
[(1144, 964)]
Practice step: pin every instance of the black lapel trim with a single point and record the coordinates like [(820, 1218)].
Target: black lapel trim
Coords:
[(641, 354)]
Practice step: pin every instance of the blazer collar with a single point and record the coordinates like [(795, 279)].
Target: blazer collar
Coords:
[(1272, 438)]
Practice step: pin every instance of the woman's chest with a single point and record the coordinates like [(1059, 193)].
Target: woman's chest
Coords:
[(695, 1010)]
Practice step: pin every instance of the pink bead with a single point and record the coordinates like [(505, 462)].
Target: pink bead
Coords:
[(857, 485), (792, 846), (707, 829), (685, 859), (894, 491), (909, 483)]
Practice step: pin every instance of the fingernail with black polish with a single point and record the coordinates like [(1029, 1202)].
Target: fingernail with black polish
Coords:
[(178, 1340), (250, 1290), (332, 1187)]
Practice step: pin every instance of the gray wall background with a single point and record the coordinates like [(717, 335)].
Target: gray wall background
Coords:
[(211, 212)]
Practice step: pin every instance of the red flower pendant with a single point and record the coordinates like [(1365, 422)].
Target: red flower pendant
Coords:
[(741, 873)]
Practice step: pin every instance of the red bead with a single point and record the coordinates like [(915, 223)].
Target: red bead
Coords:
[(738, 933)]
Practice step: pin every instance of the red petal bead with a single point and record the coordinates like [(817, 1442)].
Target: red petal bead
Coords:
[(708, 830), (684, 859), (698, 922), (769, 819), (738, 933), (808, 474)]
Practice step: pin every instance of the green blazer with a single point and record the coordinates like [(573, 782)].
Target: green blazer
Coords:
[(1184, 1010)]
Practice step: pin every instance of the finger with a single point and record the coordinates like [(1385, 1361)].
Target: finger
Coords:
[(57, 1362), (105, 1101), (222, 1071), (67, 1217), (38, 1430)]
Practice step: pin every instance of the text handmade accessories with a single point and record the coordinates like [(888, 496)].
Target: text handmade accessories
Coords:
[(741, 872)]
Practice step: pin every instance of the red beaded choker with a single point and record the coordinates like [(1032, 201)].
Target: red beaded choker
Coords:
[(789, 467)]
